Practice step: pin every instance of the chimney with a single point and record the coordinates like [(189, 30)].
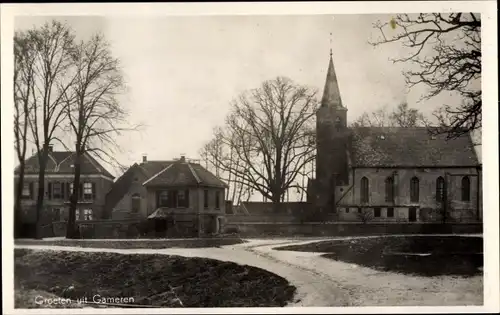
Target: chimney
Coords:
[(144, 158), (183, 158)]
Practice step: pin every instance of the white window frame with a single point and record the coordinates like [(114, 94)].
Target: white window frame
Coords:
[(88, 214), (26, 190), (87, 191)]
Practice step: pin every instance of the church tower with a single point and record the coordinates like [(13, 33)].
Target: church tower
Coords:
[(331, 143)]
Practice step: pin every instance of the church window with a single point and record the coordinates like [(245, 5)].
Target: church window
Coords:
[(364, 189), (440, 189), (465, 188), (389, 189), (414, 189)]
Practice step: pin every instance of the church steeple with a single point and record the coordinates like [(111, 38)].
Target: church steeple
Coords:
[(331, 93)]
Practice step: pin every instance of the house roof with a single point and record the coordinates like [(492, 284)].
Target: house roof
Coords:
[(62, 162), (409, 147), (183, 173), (153, 167)]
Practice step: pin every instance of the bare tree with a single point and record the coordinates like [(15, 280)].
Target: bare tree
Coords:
[(268, 132), (52, 43), (377, 118), (213, 153), (24, 55), (401, 116), (453, 64), (95, 116)]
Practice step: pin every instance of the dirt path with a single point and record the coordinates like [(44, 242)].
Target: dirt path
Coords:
[(324, 282)]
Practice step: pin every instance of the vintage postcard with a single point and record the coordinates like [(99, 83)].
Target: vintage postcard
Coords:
[(250, 157)]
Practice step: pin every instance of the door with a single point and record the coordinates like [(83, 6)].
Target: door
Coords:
[(412, 214)]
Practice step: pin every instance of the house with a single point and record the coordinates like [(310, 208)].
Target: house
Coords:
[(95, 183), (393, 174), (180, 197)]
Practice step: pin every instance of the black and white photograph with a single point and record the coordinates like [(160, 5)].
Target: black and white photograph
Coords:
[(220, 157)]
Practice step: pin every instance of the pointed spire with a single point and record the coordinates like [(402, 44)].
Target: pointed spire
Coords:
[(331, 93)]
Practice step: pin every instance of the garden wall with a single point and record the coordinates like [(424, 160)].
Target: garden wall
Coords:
[(138, 229), (347, 229)]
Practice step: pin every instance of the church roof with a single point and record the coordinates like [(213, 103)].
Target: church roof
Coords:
[(331, 92), (409, 147)]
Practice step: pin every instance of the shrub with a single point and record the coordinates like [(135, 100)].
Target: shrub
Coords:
[(232, 230)]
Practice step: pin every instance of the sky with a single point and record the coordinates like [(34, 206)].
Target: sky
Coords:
[(183, 71)]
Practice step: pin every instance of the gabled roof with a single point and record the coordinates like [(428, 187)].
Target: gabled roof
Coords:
[(61, 162), (183, 173), (409, 147), (122, 184)]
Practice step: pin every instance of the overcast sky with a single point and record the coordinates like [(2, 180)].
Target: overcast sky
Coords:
[(182, 72)]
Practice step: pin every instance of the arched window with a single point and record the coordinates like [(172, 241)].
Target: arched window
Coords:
[(389, 189), (465, 188), (365, 189), (414, 190), (136, 203), (440, 189)]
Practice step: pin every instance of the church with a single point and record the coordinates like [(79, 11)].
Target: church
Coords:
[(390, 174)]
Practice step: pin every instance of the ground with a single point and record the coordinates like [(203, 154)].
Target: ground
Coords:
[(324, 282), (158, 280)]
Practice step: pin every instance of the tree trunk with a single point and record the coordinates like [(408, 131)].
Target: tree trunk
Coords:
[(41, 191), (276, 200), (17, 205), (71, 229)]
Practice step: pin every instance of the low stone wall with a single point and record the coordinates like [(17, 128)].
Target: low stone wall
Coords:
[(241, 218), (347, 229)]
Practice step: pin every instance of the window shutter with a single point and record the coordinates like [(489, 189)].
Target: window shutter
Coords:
[(63, 190), (32, 195), (49, 190), (187, 198), (172, 199), (80, 193), (93, 191)]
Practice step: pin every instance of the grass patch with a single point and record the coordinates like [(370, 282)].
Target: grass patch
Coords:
[(158, 280), (450, 255), (156, 244)]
